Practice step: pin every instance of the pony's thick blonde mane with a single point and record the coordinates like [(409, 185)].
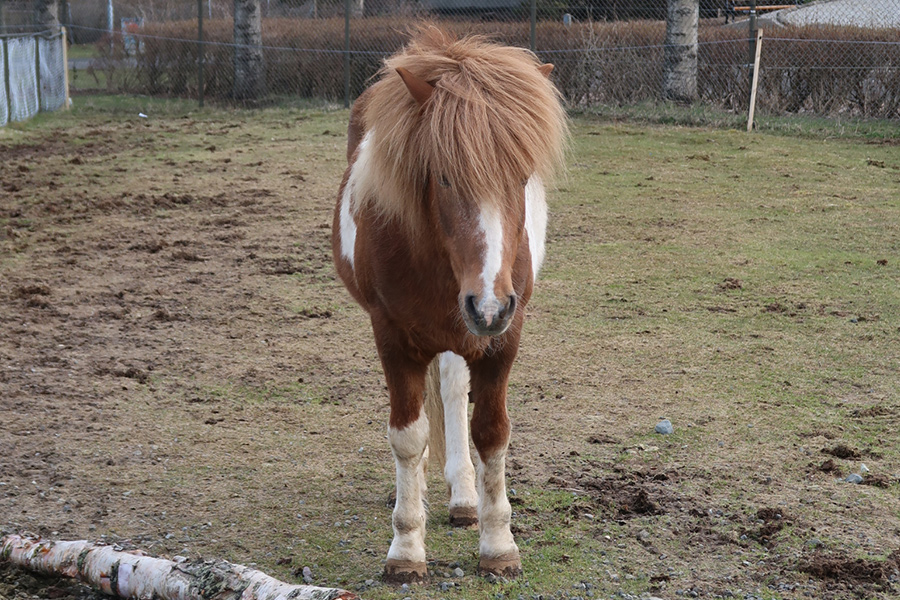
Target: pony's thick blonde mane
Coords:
[(492, 121)]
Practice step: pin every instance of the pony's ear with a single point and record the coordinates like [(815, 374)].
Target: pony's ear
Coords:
[(419, 89), (546, 69)]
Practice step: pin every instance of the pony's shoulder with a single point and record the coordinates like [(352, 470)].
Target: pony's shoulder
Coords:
[(356, 129)]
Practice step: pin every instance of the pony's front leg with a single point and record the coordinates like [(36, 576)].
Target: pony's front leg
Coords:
[(408, 435), (490, 432)]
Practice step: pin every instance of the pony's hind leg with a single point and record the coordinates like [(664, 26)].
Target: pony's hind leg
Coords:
[(458, 470)]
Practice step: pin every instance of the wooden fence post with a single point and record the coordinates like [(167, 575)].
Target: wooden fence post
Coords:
[(755, 80)]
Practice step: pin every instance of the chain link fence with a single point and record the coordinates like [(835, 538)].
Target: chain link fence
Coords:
[(829, 57), (33, 71)]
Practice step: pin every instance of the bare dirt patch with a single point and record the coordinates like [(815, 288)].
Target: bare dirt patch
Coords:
[(17, 585), (844, 571)]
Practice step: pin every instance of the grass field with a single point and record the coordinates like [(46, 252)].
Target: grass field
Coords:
[(180, 369)]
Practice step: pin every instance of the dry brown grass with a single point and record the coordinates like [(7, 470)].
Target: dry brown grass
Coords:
[(819, 70)]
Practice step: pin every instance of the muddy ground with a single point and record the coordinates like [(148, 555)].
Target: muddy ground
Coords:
[(179, 369)]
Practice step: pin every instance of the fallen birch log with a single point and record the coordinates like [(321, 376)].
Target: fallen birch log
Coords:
[(135, 575)]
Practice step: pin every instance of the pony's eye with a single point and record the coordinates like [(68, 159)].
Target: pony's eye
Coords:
[(524, 182), (443, 182)]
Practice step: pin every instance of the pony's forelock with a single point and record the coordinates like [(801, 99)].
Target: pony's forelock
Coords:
[(492, 121)]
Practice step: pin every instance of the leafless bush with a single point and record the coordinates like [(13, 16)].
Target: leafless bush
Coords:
[(804, 69), (831, 71)]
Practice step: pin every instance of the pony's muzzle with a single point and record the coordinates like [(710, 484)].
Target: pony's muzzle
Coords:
[(488, 316)]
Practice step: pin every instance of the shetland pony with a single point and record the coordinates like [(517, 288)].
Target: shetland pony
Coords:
[(438, 234)]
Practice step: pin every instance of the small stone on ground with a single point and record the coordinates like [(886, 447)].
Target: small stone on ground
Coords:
[(664, 427)]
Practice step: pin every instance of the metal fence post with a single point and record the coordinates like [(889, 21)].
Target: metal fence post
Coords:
[(110, 23), (201, 54), (6, 79), (346, 53), (64, 40), (533, 25), (751, 56), (37, 67)]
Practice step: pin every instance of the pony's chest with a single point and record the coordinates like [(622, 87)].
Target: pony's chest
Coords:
[(396, 271)]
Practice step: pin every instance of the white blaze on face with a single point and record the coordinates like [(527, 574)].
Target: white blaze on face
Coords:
[(360, 173), (491, 227)]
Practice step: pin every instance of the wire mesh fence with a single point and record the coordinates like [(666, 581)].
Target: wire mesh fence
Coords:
[(51, 72), (33, 73), (831, 57), (23, 90)]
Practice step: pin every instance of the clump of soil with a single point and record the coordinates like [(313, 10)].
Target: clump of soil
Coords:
[(829, 466), (770, 514), (848, 570), (843, 451), (622, 497), (774, 521), (878, 480), (730, 283), (774, 307), (25, 291), (602, 439), (873, 411)]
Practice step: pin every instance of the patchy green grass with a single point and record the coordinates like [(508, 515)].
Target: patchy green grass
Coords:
[(197, 368), (699, 115), (84, 51)]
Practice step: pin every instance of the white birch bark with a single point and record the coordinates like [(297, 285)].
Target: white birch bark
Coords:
[(680, 51), (46, 13), (136, 576), (249, 74)]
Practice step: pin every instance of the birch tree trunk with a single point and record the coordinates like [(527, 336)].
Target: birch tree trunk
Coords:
[(249, 75), (680, 53), (46, 14), (134, 575)]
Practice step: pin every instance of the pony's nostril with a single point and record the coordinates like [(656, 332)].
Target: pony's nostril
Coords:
[(511, 307), (470, 306)]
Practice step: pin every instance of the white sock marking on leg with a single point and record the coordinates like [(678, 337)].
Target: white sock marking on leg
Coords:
[(459, 472), (408, 445), (494, 511)]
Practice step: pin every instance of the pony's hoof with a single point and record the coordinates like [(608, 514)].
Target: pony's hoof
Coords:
[(463, 516), (398, 572), (508, 566)]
